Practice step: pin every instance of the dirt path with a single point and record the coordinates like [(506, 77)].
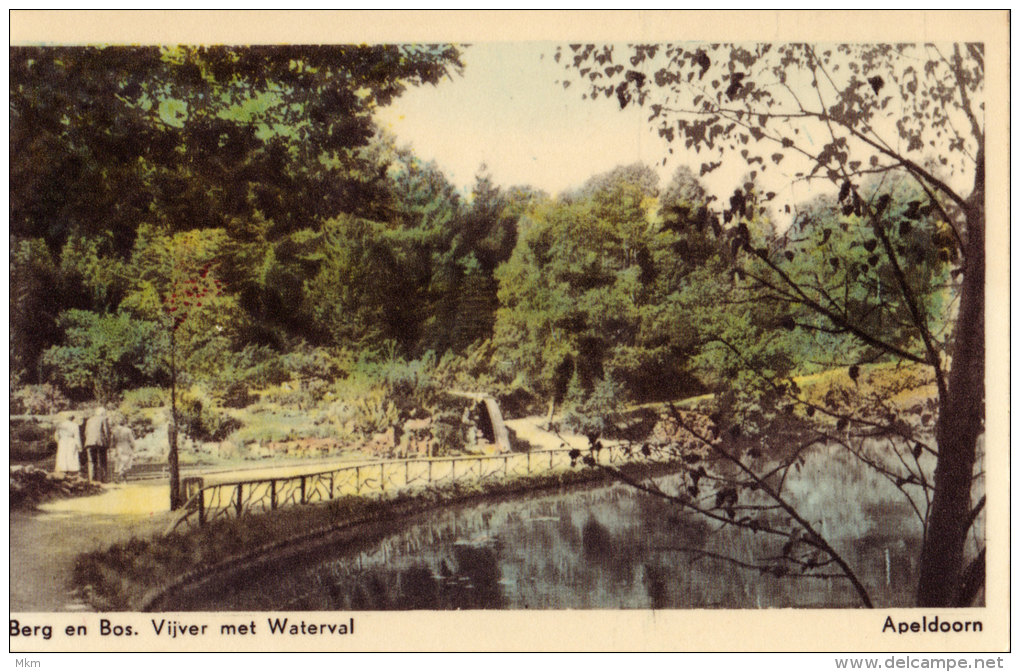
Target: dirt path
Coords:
[(45, 543), (531, 429)]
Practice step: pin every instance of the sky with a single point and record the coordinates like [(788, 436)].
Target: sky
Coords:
[(509, 112)]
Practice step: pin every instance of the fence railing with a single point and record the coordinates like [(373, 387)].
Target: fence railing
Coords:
[(233, 499)]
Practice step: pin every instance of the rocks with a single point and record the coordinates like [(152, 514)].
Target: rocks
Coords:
[(670, 430), (296, 448), (383, 443), (416, 438), (227, 449), (30, 486)]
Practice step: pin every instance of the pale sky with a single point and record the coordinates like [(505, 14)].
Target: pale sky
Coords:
[(508, 112)]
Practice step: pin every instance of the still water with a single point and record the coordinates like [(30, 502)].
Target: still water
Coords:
[(590, 548)]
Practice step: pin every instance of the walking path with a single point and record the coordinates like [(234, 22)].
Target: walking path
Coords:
[(45, 542)]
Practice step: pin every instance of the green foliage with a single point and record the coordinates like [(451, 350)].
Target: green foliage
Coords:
[(594, 414), (595, 286), (201, 420), (104, 354), (42, 399), (116, 149), (35, 302), (270, 129)]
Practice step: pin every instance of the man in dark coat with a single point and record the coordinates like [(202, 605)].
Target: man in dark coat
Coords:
[(97, 444)]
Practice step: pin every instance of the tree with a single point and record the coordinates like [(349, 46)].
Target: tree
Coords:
[(259, 141), (176, 288), (104, 354), (590, 298), (206, 134), (910, 110)]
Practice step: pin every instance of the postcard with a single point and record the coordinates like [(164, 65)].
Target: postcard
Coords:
[(509, 331)]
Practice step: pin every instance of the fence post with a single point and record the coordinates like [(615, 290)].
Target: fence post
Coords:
[(430, 472), (357, 480), (272, 494), (201, 507), (529, 463), (382, 476), (504, 467), (302, 489), (453, 470), (239, 504), (331, 475), (550, 460), (407, 473)]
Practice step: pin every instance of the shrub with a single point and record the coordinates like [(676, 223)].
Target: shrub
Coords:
[(201, 420), (595, 413), (38, 400), (145, 397)]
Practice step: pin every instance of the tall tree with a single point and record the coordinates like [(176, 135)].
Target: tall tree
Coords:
[(592, 293), (103, 138), (840, 114), (259, 141)]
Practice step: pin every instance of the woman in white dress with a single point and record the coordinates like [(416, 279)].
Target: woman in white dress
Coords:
[(68, 446)]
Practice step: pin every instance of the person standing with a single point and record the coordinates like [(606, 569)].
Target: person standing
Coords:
[(97, 443), (68, 446), (83, 455), (123, 448)]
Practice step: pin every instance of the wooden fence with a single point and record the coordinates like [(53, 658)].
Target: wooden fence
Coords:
[(234, 499)]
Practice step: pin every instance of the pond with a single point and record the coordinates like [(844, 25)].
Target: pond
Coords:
[(602, 547)]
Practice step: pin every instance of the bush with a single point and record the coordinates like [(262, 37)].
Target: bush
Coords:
[(38, 400), (595, 413), (29, 486), (144, 397), (201, 420), (31, 440), (237, 395)]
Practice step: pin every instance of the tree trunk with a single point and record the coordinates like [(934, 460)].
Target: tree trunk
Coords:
[(175, 473), (961, 421)]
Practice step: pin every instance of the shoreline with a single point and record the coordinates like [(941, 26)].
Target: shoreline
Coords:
[(122, 586)]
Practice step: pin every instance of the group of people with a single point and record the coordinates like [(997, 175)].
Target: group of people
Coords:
[(87, 446)]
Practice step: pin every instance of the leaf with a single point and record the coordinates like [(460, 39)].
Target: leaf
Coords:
[(876, 83), (918, 448), (854, 371), (841, 424), (736, 80), (702, 60), (844, 191)]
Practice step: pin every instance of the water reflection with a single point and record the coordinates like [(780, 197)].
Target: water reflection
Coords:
[(605, 547)]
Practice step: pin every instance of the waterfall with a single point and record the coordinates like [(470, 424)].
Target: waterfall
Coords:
[(498, 426)]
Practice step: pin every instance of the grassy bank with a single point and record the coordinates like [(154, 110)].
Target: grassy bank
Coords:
[(131, 576)]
